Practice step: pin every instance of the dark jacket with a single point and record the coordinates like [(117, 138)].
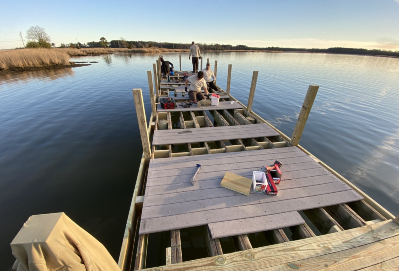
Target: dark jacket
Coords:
[(165, 67)]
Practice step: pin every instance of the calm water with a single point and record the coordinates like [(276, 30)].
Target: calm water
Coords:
[(70, 141)]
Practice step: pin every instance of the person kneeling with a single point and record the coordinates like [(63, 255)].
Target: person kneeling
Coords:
[(196, 83)]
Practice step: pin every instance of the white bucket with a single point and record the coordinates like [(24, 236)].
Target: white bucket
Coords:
[(214, 100)]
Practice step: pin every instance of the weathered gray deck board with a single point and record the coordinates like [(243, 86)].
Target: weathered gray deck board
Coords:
[(218, 199), (268, 153), (188, 98), (254, 224), (199, 218), (222, 105), (290, 171), (172, 202), (193, 135)]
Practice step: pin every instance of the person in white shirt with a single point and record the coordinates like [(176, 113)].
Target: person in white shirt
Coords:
[(210, 77), (195, 53), (196, 83)]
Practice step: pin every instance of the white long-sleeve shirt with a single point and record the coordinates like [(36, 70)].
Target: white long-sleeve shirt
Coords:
[(195, 83), (194, 51), (209, 76)]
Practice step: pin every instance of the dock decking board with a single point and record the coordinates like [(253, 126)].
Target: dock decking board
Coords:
[(198, 218), (254, 224), (206, 202), (222, 105), (193, 135)]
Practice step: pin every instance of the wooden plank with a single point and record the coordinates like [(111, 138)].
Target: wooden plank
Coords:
[(187, 98), (156, 82), (252, 91), (385, 265), (228, 79), (254, 224), (222, 105), (168, 255), (175, 244), (202, 217), (279, 236), (213, 245), (367, 212), (304, 114), (293, 251), (152, 98), (243, 242), (302, 231), (141, 253), (142, 121), (236, 183), (345, 216), (177, 204), (322, 220)]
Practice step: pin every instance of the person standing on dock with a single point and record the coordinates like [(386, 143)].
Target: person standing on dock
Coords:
[(196, 83), (210, 77), (196, 54)]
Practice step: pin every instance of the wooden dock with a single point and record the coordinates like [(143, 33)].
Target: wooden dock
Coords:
[(318, 220)]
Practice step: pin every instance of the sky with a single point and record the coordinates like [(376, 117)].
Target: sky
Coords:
[(371, 24)]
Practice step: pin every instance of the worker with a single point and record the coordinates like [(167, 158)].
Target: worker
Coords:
[(166, 66), (210, 78), (196, 54), (196, 83)]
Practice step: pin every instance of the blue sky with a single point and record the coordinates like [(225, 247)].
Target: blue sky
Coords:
[(289, 23)]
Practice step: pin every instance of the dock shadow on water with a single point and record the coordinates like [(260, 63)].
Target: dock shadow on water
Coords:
[(70, 141)]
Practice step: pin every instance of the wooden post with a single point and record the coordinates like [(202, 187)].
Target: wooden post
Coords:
[(155, 81), (175, 243), (151, 88), (159, 75), (180, 61), (216, 69), (229, 79), (207, 60), (252, 91), (201, 63), (141, 254), (304, 114), (141, 119)]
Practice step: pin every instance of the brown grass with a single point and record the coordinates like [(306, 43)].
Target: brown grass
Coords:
[(32, 58)]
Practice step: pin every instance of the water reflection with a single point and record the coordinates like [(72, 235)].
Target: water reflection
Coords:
[(28, 76), (107, 59)]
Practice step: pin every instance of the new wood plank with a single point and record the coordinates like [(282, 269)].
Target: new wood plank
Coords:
[(203, 217), (218, 200), (254, 224), (236, 183), (295, 250), (222, 105)]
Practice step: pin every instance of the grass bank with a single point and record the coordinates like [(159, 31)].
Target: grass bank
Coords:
[(32, 58)]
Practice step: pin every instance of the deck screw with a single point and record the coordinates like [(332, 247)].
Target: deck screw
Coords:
[(221, 260), (250, 255)]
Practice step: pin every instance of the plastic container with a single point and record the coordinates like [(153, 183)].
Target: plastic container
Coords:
[(215, 99), (258, 180)]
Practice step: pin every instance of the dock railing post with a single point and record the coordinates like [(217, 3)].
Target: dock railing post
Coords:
[(159, 72), (207, 60), (141, 119), (304, 114), (180, 61), (155, 81), (216, 69), (252, 91), (201, 63), (228, 79), (151, 88)]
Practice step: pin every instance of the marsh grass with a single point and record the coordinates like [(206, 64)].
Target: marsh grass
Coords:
[(32, 58)]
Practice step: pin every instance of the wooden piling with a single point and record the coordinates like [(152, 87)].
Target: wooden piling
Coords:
[(175, 243), (304, 114), (142, 121), (252, 91), (216, 69), (229, 79), (180, 61), (156, 81), (141, 254), (201, 63), (207, 60), (151, 88)]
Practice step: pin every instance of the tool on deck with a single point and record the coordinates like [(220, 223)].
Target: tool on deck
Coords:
[(274, 171), (271, 188), (195, 174)]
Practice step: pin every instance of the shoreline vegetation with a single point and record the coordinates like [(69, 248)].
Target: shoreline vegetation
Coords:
[(15, 60)]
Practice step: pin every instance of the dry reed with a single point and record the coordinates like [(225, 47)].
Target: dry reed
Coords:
[(32, 58)]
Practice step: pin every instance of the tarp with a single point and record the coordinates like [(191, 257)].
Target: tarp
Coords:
[(55, 242)]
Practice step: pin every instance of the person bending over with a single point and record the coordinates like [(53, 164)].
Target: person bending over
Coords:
[(210, 77), (166, 66), (195, 53), (196, 83)]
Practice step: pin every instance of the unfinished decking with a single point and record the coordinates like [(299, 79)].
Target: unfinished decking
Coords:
[(317, 220), (222, 105), (175, 136)]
